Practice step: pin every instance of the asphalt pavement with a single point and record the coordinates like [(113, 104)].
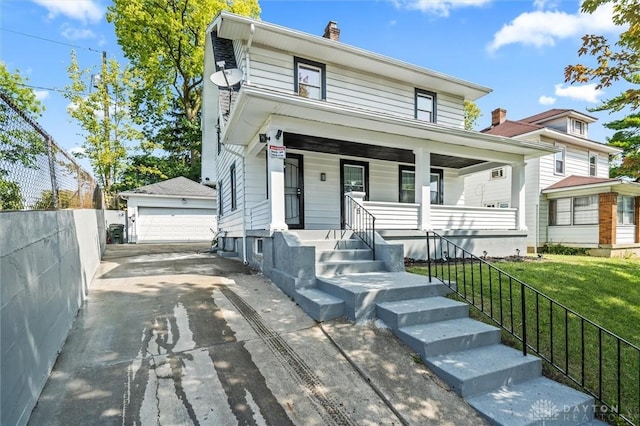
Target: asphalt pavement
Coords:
[(175, 335)]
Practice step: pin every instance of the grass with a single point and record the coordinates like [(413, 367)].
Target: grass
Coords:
[(604, 291)]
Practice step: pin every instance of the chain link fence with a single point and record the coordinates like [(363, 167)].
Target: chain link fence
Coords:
[(35, 173)]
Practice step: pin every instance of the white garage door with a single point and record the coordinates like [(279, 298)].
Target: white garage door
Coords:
[(157, 224)]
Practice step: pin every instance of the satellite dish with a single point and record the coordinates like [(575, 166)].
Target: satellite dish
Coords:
[(226, 78)]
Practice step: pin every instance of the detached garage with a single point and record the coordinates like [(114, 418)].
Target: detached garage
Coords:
[(176, 210)]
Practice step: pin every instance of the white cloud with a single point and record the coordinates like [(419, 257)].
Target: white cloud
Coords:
[(73, 33), (546, 100), (438, 7), (544, 27), (78, 151), (41, 95), (81, 10), (585, 92)]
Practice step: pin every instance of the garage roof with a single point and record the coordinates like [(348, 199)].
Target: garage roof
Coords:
[(176, 187)]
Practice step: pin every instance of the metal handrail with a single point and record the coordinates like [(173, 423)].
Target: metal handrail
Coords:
[(361, 222), (575, 346)]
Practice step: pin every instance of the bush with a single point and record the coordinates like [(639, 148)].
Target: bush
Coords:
[(560, 249)]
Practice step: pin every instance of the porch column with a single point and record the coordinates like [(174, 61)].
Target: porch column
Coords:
[(608, 211), (423, 187), (275, 176), (518, 195)]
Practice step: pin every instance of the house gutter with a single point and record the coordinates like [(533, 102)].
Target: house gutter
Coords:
[(247, 56)]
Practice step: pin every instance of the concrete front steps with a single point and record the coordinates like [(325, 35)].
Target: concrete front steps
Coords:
[(504, 386)]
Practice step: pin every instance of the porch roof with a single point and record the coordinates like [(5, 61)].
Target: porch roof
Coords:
[(573, 182), (255, 106)]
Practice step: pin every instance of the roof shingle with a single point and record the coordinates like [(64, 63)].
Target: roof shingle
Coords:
[(179, 186)]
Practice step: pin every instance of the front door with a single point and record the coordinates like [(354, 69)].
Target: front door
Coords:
[(293, 191), (354, 177)]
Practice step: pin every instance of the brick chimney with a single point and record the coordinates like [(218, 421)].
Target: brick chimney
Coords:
[(331, 31), (498, 116)]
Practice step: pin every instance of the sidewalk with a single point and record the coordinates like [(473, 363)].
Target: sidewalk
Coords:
[(176, 335)]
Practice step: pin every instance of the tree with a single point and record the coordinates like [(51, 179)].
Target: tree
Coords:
[(164, 41), (613, 62), (626, 137), (103, 113), (471, 114), (20, 143)]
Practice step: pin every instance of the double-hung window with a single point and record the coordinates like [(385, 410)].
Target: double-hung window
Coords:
[(234, 188), (425, 106), (585, 210), (593, 164), (407, 184), (310, 79), (626, 210), (559, 160), (220, 204), (578, 127)]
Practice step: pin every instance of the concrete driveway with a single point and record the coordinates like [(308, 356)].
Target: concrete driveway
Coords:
[(174, 335)]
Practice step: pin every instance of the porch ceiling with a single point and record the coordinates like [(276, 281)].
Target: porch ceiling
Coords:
[(356, 149), (255, 106)]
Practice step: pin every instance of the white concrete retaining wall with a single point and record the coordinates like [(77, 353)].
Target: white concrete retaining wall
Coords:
[(47, 262)]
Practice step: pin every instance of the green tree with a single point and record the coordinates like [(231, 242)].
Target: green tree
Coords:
[(164, 42), (626, 137), (614, 62), (471, 114), (20, 143), (103, 114)]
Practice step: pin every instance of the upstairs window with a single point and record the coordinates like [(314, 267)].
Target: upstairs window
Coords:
[(559, 161), (425, 106), (593, 164), (310, 79), (578, 127)]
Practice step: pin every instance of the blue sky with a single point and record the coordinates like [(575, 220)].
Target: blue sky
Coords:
[(519, 48)]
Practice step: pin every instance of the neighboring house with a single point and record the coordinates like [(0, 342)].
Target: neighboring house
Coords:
[(570, 198), (176, 210), (302, 121)]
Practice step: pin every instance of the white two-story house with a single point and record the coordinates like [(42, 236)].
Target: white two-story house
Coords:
[(294, 124), (571, 200)]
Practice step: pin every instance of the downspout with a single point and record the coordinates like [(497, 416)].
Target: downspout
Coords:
[(247, 59)]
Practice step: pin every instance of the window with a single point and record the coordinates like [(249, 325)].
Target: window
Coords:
[(437, 197), (219, 198), (310, 79), (560, 212), (497, 173), (232, 172), (258, 246), (593, 164), (578, 127), (559, 161), (585, 210), (219, 142), (425, 106), (407, 182), (626, 210)]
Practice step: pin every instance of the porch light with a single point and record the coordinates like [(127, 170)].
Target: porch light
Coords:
[(323, 176)]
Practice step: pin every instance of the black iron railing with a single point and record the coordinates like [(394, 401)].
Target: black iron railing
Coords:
[(582, 352), (361, 222)]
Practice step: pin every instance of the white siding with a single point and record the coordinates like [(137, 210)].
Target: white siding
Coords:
[(394, 215), (453, 188), (274, 70), (481, 190), (472, 218), (321, 199), (230, 221), (260, 215), (625, 234), (585, 235)]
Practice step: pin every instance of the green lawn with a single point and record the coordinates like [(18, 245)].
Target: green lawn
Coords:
[(605, 291)]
